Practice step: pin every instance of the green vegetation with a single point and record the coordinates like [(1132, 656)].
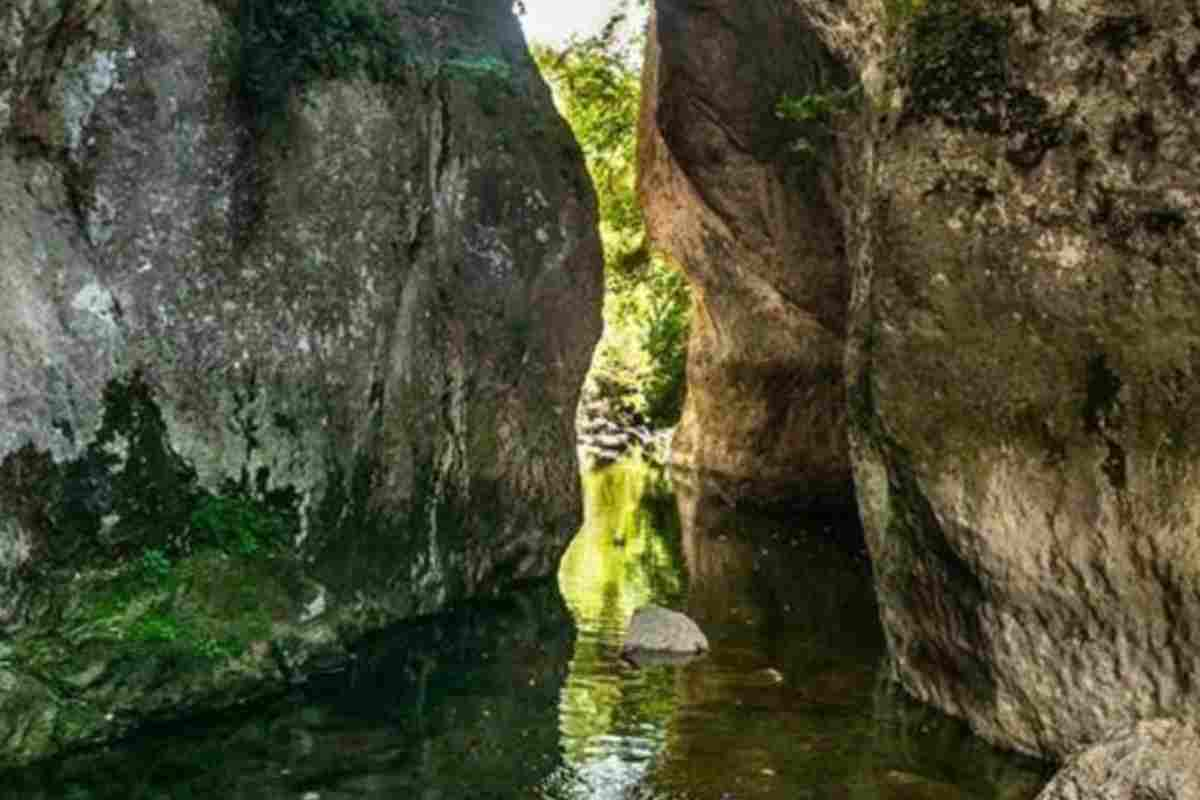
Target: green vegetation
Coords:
[(901, 12), (143, 564), (154, 567), (155, 606), (237, 524), (282, 44), (958, 69), (641, 360), (131, 493), (817, 115)]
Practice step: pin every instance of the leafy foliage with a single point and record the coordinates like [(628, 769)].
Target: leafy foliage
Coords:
[(640, 361), (154, 566), (664, 338), (598, 88), (817, 114), (816, 107), (238, 525), (282, 44)]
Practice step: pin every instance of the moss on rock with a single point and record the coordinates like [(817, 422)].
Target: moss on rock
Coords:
[(959, 71)]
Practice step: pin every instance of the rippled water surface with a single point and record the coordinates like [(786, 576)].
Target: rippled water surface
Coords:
[(510, 700)]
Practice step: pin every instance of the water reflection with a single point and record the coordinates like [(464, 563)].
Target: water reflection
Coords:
[(510, 700), (613, 717), (463, 706), (791, 702)]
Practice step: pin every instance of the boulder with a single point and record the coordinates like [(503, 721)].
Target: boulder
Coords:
[(1157, 759), (294, 312), (654, 629)]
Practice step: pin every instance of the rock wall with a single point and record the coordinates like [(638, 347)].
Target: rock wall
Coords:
[(1018, 189), (279, 363), (753, 224), (1024, 360)]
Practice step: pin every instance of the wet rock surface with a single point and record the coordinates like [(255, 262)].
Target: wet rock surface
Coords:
[(496, 703), (420, 702), (278, 366), (608, 427)]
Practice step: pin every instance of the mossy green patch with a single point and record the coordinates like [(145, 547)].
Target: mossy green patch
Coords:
[(491, 77), (899, 13), (241, 524), (281, 45), (147, 583), (119, 633), (130, 490), (1120, 33), (130, 496), (958, 69)]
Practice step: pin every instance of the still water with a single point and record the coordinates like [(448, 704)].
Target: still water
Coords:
[(512, 700)]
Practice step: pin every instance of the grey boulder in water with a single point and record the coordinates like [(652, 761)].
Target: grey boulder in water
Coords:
[(655, 629)]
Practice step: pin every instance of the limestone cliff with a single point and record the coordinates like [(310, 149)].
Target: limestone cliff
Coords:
[(1019, 187), (292, 325), (753, 225)]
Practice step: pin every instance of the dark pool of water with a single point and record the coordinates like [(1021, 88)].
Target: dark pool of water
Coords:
[(512, 700)]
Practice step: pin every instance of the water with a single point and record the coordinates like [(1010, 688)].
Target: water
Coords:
[(510, 700)]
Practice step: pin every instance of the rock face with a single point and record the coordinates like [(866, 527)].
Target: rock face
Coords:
[(279, 362), (1152, 759), (655, 629), (1019, 189), (753, 225), (1024, 362)]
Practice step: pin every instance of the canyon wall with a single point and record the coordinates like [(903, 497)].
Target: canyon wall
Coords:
[(294, 311), (1024, 363), (1018, 186), (753, 224)]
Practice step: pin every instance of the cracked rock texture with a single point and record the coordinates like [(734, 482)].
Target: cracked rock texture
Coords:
[(1017, 186), (264, 388)]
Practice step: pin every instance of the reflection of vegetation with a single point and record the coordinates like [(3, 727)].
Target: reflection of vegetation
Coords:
[(626, 555), (627, 552), (433, 710), (647, 311)]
